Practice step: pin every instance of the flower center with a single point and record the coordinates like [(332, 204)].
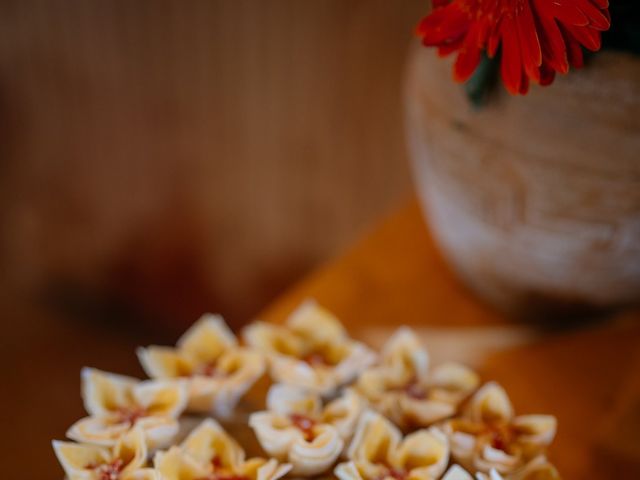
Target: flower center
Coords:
[(208, 370), (304, 424), (396, 473), (108, 471), (500, 436), (130, 415), (316, 359), (412, 389), (220, 473)]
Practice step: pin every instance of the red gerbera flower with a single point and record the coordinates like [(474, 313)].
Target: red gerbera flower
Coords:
[(537, 37)]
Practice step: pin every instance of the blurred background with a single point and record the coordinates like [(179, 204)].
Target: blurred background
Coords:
[(210, 151), (162, 159)]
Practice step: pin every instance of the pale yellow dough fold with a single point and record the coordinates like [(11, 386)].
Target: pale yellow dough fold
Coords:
[(209, 453), (125, 461), (488, 436), (538, 468), (312, 350), (297, 428), (218, 371), (405, 389), (379, 451), (116, 404)]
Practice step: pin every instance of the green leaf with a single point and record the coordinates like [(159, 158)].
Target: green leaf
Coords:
[(482, 82)]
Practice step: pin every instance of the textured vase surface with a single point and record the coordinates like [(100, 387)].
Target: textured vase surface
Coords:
[(534, 200)]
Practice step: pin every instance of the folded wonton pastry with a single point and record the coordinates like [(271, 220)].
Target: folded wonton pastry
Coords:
[(125, 461), (456, 472), (297, 428), (538, 468), (218, 372), (209, 453), (312, 350), (403, 388), (488, 435), (378, 452), (116, 404)]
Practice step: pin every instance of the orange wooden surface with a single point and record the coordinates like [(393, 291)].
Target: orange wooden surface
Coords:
[(586, 375), (393, 275)]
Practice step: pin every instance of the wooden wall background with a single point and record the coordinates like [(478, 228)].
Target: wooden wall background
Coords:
[(164, 158), (158, 159)]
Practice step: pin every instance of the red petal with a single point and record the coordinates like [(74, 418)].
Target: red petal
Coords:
[(589, 38), (554, 50), (469, 56), (574, 51), (439, 3), (565, 13), (466, 63), (547, 74), (537, 38), (601, 3), (529, 44), (422, 27), (447, 48), (494, 40), (444, 25), (596, 18), (510, 66)]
